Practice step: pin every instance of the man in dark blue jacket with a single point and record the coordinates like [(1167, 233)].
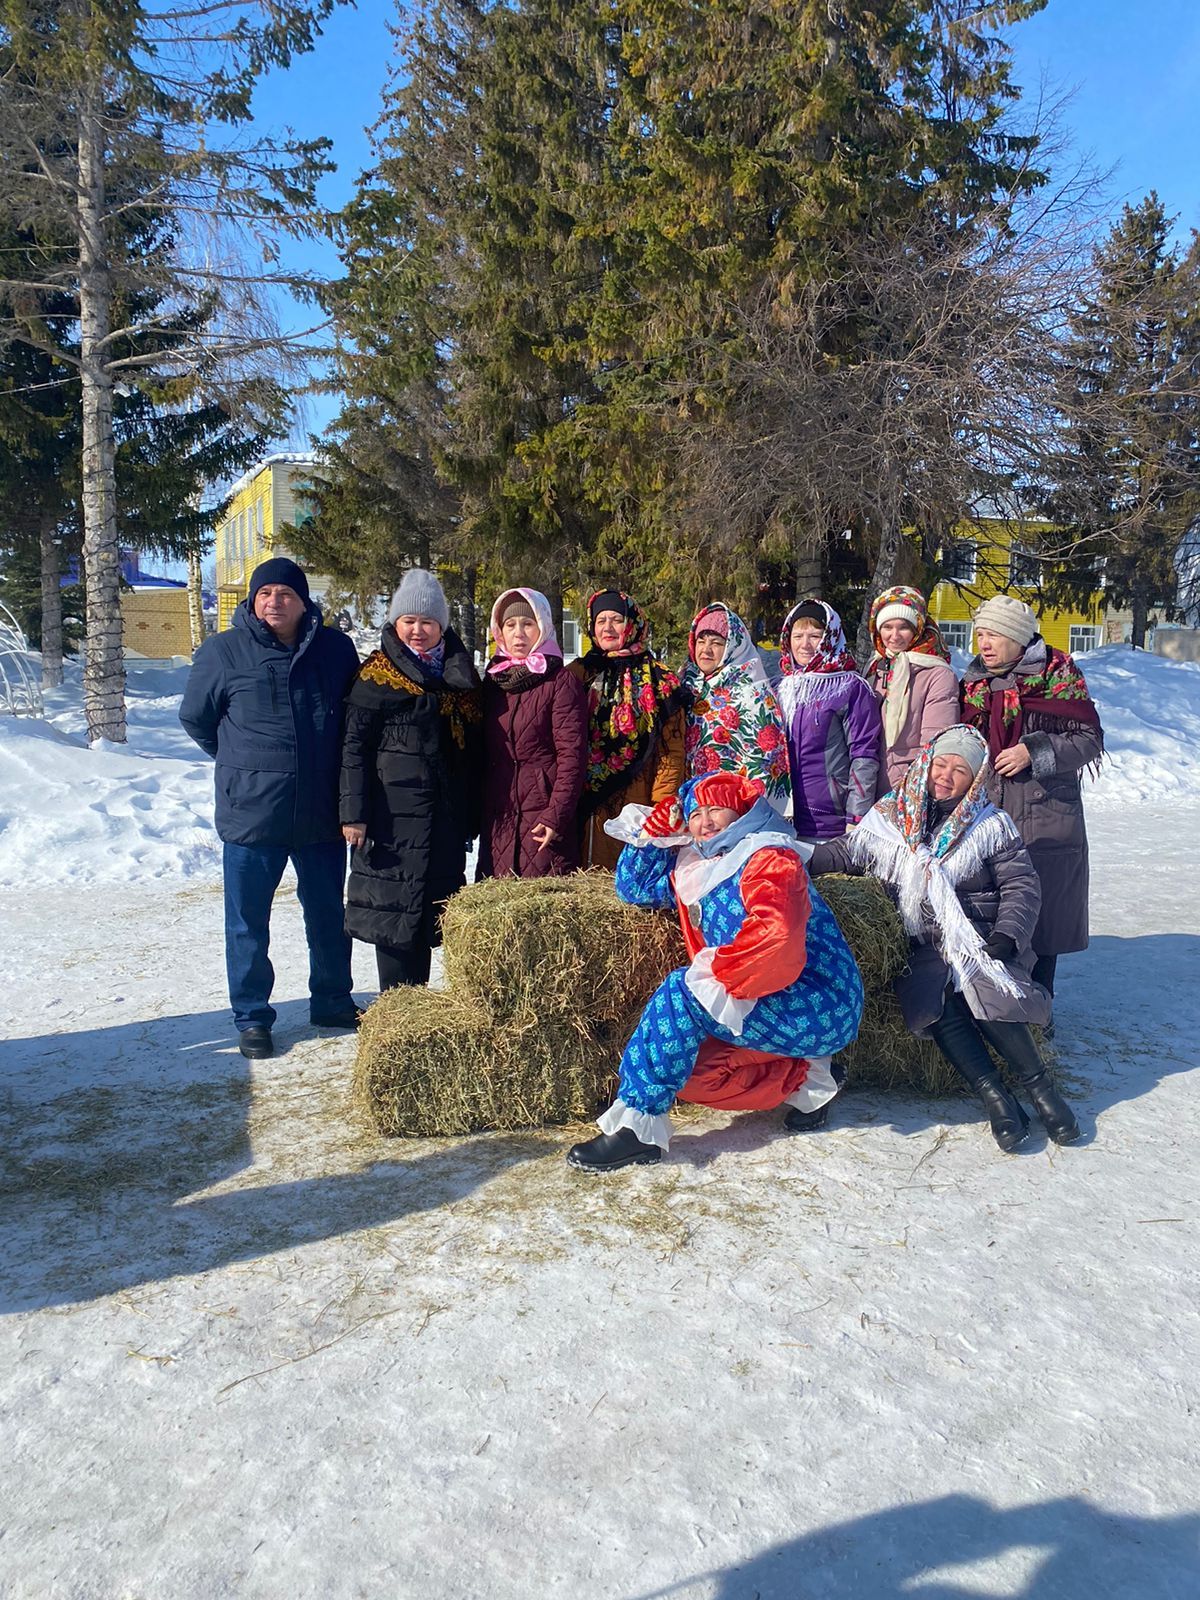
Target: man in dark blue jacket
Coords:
[(265, 698)]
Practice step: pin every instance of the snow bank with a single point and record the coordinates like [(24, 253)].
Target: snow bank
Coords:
[(1150, 708), (111, 814), (73, 815)]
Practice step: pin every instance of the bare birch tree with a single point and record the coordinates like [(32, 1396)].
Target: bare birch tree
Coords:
[(108, 111)]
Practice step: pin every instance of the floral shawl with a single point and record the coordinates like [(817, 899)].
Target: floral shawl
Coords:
[(891, 843), (823, 674), (734, 722), (631, 696), (1049, 684)]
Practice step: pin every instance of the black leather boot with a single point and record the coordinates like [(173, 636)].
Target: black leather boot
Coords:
[(1010, 1125), (1057, 1117), (957, 1035), (1016, 1044), (612, 1150)]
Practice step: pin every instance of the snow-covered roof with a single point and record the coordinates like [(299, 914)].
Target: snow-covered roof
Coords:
[(281, 458)]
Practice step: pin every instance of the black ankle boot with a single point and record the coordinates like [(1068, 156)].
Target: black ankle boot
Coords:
[(1057, 1117), (1009, 1122), (612, 1150), (797, 1121)]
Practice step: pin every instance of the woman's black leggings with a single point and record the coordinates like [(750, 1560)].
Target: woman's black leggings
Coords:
[(397, 967)]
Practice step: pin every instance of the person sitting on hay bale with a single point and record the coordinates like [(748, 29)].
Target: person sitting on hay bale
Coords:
[(770, 971), (969, 897)]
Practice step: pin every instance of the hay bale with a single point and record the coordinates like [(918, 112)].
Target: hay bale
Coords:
[(546, 979), (430, 1063), (526, 948)]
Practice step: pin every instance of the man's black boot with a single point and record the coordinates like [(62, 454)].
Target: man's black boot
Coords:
[(256, 1042), (612, 1150), (348, 1016)]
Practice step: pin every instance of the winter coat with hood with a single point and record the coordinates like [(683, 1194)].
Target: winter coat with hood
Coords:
[(271, 715), (1059, 727), (978, 856), (412, 761), (535, 728), (834, 735)]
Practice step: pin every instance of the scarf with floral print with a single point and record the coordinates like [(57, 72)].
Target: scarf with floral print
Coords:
[(928, 641), (908, 808), (833, 653), (631, 696), (1048, 685), (734, 723)]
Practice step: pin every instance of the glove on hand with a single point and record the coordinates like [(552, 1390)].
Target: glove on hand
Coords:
[(665, 819), (1000, 947)]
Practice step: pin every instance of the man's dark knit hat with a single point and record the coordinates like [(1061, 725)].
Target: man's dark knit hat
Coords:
[(278, 570)]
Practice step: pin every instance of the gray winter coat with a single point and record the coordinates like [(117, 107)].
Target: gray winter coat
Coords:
[(1001, 896), (1046, 804)]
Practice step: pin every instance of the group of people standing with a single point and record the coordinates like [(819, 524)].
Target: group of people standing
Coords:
[(413, 753)]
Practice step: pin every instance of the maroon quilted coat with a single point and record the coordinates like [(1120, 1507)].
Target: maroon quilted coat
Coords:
[(535, 750)]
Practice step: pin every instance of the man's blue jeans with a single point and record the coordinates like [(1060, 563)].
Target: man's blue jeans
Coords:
[(252, 874)]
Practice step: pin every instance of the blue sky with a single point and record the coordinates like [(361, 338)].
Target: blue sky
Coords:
[(1133, 67)]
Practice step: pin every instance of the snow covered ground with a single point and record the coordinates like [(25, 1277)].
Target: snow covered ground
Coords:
[(251, 1349)]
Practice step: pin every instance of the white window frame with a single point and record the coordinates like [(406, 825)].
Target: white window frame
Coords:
[(1033, 563), (956, 635), (1084, 637), (966, 551)]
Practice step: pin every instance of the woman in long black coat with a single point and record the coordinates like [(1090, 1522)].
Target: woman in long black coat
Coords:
[(411, 778)]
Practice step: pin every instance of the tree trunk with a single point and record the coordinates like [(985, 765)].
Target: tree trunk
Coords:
[(52, 627), (468, 609), (104, 667), (195, 600), (808, 564), (887, 567), (554, 593), (1140, 605)]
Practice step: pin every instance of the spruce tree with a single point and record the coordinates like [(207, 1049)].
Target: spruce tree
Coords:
[(1127, 485)]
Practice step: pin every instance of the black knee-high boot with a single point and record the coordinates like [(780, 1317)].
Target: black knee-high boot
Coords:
[(958, 1038), (1016, 1044)]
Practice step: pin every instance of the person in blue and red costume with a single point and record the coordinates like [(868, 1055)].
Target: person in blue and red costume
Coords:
[(770, 973)]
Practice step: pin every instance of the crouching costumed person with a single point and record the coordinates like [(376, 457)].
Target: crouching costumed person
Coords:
[(772, 990), (969, 897)]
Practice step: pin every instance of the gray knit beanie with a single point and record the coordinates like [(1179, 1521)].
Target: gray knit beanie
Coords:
[(962, 741), (1013, 618), (420, 595)]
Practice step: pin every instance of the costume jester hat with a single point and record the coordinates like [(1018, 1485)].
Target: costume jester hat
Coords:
[(631, 695), (734, 722), (896, 842)]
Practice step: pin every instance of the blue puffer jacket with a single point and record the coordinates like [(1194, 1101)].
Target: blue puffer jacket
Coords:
[(272, 717)]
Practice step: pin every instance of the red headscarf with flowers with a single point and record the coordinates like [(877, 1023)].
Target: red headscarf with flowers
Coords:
[(631, 694)]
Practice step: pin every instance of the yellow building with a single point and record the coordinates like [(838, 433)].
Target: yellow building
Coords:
[(263, 500), (155, 619), (989, 557)]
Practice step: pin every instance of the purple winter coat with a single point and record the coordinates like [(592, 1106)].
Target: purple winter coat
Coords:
[(535, 751), (835, 744)]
